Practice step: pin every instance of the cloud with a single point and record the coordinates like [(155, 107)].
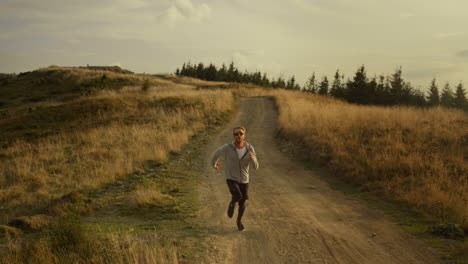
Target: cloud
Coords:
[(56, 51), (462, 54), (431, 72), (74, 41), (407, 15), (171, 16), (116, 64), (449, 35), (6, 36), (255, 60), (184, 10), (131, 4)]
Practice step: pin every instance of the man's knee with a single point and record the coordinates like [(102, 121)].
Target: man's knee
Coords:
[(242, 202), (237, 197)]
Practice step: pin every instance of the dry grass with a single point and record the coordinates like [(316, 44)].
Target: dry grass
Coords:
[(136, 128), (148, 197), (117, 249), (81, 74), (414, 155), (9, 232)]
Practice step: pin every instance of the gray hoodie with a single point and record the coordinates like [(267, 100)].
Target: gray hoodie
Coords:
[(234, 168)]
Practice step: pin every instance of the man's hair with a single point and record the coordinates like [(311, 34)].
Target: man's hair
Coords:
[(241, 128)]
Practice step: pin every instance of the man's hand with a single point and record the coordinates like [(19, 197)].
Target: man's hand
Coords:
[(217, 166), (251, 155)]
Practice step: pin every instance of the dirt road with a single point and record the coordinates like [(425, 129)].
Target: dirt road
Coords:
[(293, 216)]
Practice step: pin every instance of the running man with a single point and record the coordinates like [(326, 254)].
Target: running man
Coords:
[(238, 156)]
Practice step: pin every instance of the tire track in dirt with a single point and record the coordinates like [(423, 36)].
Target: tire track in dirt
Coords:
[(293, 216)]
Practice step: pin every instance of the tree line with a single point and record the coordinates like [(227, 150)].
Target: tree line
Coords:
[(232, 74), (361, 89)]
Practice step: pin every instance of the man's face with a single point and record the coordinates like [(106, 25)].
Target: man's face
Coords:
[(239, 135)]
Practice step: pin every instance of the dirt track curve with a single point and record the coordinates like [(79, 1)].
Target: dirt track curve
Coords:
[(293, 216)]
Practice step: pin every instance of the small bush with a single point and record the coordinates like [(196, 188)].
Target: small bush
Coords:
[(68, 239), (452, 231), (146, 85)]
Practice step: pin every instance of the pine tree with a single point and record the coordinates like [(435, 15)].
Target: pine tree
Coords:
[(433, 98), (231, 72), (398, 95), (222, 73), (417, 98), (280, 83), (236, 76), (200, 71), (190, 70), (311, 84), (337, 89), (291, 83), (371, 90), (446, 98), (382, 94), (460, 97), (357, 89), (323, 87), (210, 73), (183, 71)]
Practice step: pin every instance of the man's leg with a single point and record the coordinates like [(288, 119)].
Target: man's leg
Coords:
[(244, 191), (240, 213), (236, 196)]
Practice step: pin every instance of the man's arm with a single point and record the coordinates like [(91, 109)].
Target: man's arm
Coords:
[(253, 157), (215, 157)]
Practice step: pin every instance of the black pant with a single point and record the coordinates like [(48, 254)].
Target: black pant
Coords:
[(239, 192)]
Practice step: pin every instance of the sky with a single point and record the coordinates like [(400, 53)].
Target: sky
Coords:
[(427, 38)]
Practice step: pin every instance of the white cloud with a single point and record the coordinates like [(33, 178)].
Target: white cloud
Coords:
[(462, 53), (256, 60), (86, 54), (131, 3), (407, 15), (6, 36), (74, 41), (56, 51), (116, 64), (449, 35), (171, 16), (184, 10)]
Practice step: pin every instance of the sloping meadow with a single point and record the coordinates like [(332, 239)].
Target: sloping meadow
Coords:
[(414, 155), (105, 137)]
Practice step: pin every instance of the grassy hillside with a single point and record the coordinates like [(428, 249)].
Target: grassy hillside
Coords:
[(69, 134), (65, 131), (415, 155)]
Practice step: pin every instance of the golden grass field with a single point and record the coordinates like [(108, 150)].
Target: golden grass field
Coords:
[(136, 127), (112, 249), (418, 156), (414, 155), (58, 146)]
